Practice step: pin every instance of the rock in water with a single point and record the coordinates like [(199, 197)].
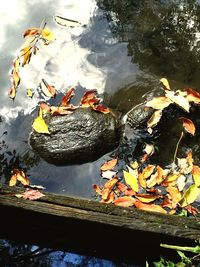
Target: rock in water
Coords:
[(80, 137)]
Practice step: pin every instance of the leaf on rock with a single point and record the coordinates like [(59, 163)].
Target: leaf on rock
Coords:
[(188, 125), (131, 180), (125, 201), (165, 83), (66, 99), (64, 22), (89, 98), (109, 165), (40, 126), (159, 103), (61, 110), (101, 108), (190, 195), (47, 89), (178, 99), (30, 194), (149, 207), (154, 119)]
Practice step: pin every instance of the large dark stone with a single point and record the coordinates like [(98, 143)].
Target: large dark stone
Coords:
[(80, 137)]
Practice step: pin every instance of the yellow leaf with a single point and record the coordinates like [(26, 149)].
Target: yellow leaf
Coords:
[(178, 99), (26, 54), (154, 119), (159, 102), (30, 93), (165, 83), (131, 180), (39, 125), (190, 195), (47, 35)]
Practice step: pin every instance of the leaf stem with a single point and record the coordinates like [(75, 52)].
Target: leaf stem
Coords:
[(189, 249), (177, 145)]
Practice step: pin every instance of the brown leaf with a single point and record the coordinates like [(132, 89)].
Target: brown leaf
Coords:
[(149, 207), (175, 195), (45, 107), (89, 98), (109, 165), (110, 198), (66, 99), (18, 175), (31, 32), (61, 110), (16, 64), (125, 189), (159, 103), (101, 108), (188, 125), (194, 211), (124, 201), (47, 89), (193, 96), (30, 194)]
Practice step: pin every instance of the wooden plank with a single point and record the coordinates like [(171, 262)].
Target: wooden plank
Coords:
[(53, 219)]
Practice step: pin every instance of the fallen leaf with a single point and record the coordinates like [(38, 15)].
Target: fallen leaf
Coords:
[(124, 201), (148, 171), (64, 22), (109, 165), (175, 195), (196, 175), (12, 93), (26, 53), (194, 211), (16, 64), (108, 174), (131, 180), (62, 110), (101, 108), (165, 83), (48, 90), (181, 181), (178, 99), (97, 189), (45, 108), (190, 195), (89, 98), (16, 78), (30, 194), (159, 103), (66, 99), (18, 175), (154, 119), (108, 188), (147, 198), (30, 93), (149, 207), (184, 166), (31, 32), (156, 178), (125, 189), (193, 96), (40, 126), (188, 125), (47, 35), (110, 198)]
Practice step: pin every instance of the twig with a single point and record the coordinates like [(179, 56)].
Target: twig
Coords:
[(177, 145)]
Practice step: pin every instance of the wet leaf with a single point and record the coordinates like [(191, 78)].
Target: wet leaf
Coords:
[(30, 194), (109, 165), (190, 195), (149, 207), (61, 110), (125, 189), (159, 103), (131, 180), (45, 108), (64, 22), (178, 99), (66, 99), (193, 96), (89, 98), (97, 189), (26, 53), (18, 175), (16, 64), (110, 198), (175, 195), (188, 125), (156, 178), (147, 198), (48, 90), (16, 78), (108, 188), (124, 201), (154, 119), (101, 108), (194, 211), (165, 83), (30, 93), (181, 181), (12, 93), (31, 32), (196, 175), (40, 126), (47, 35), (148, 171)]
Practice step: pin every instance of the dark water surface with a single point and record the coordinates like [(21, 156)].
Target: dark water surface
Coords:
[(123, 51)]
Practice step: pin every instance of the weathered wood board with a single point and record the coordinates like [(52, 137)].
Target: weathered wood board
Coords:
[(88, 226)]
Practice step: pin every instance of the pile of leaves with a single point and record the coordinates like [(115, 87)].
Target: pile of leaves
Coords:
[(152, 187)]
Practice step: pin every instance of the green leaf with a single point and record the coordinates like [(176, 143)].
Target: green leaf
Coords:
[(190, 195)]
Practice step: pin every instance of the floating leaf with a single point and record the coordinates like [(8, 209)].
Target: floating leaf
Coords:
[(149, 207), (30, 93), (124, 201), (188, 125), (40, 126), (64, 22), (131, 180), (159, 103), (190, 195), (109, 165), (47, 35), (147, 198), (196, 175), (31, 32), (178, 99), (108, 174), (30, 194), (47, 89), (154, 119), (165, 83)]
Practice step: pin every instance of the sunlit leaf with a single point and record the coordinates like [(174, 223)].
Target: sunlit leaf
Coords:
[(196, 175), (181, 181), (159, 103), (188, 125), (30, 194), (16, 64), (165, 83), (194, 211), (101, 108), (64, 22), (47, 35), (131, 180), (148, 171), (66, 99), (109, 165), (108, 174), (12, 93), (45, 108), (125, 189), (97, 189), (134, 164), (108, 188), (124, 201), (13, 180), (110, 198), (40, 126), (193, 96), (155, 178), (47, 89), (26, 54), (175, 195), (147, 198), (30, 93), (16, 78), (59, 110), (154, 119), (149, 207), (18, 175), (184, 165), (178, 99), (190, 195), (31, 32)]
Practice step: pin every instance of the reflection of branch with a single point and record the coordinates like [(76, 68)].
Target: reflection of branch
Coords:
[(4, 133)]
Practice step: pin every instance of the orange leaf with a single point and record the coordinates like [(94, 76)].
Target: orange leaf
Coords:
[(125, 189), (101, 108), (16, 64), (66, 99), (196, 175), (26, 54), (191, 209), (47, 89), (149, 207), (188, 125), (175, 195), (20, 176), (110, 198), (147, 198), (156, 178), (109, 165), (193, 96), (89, 98), (124, 201), (97, 189), (16, 78), (31, 32), (12, 93), (62, 110), (148, 171)]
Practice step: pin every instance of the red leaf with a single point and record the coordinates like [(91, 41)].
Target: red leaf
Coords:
[(89, 98), (188, 125), (101, 108), (30, 194), (66, 99)]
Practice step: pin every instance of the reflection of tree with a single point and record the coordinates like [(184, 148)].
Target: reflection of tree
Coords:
[(162, 36)]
